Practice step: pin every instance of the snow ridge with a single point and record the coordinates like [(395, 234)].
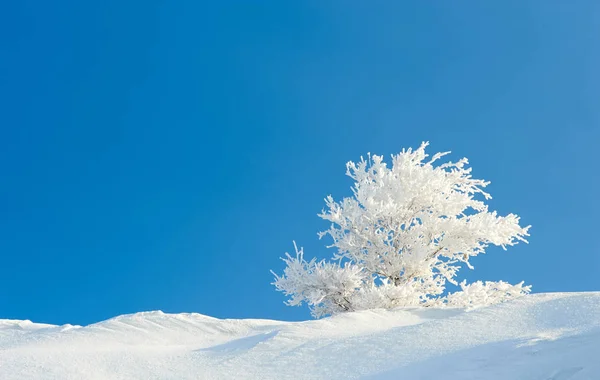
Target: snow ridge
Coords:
[(543, 336)]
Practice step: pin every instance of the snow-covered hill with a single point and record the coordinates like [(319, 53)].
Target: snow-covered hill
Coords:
[(539, 337)]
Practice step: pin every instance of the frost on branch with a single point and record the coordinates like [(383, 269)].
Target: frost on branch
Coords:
[(326, 287), (403, 234), (483, 294)]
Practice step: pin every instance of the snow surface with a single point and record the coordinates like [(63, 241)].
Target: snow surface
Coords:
[(538, 337)]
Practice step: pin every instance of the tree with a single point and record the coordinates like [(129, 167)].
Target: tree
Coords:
[(403, 234)]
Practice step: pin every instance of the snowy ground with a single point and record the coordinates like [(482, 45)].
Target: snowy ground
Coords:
[(539, 337)]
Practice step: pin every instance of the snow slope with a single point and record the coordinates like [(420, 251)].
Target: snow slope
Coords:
[(539, 337)]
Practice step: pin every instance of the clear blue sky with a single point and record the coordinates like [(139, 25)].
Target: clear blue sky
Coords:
[(164, 155)]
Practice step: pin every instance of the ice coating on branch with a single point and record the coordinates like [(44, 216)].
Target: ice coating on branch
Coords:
[(401, 236)]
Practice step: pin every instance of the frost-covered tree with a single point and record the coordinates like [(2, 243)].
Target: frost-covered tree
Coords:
[(401, 237)]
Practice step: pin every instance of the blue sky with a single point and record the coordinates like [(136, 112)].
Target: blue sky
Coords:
[(164, 155)]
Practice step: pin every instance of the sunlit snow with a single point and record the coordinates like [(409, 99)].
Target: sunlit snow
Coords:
[(538, 337)]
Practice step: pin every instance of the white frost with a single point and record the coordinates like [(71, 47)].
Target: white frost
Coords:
[(403, 234)]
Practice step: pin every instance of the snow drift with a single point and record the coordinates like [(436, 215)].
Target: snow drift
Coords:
[(538, 337)]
